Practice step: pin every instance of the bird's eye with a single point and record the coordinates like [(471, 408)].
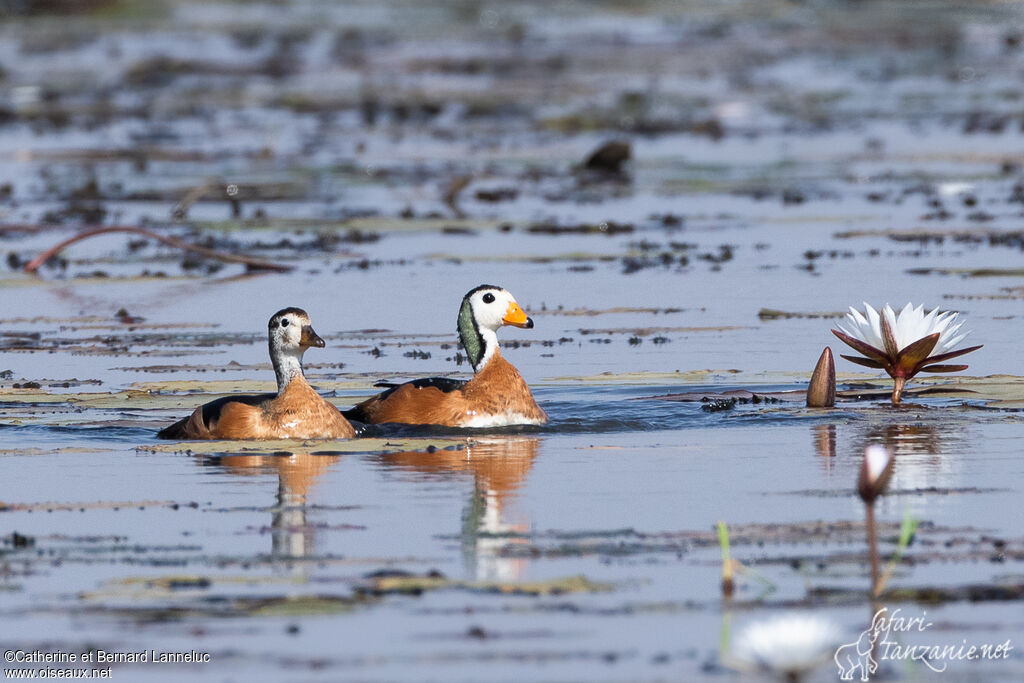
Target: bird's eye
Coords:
[(488, 298), (284, 323)]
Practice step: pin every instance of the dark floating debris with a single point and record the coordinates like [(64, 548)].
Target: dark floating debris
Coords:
[(123, 316), (931, 595), (792, 196), (606, 228), (500, 194), (714, 405), (20, 541), (609, 157), (735, 396), (718, 405), (775, 314)]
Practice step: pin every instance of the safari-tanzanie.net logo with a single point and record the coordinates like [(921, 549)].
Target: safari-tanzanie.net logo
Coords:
[(880, 642)]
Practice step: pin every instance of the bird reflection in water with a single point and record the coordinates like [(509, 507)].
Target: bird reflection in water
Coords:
[(499, 467), (292, 536)]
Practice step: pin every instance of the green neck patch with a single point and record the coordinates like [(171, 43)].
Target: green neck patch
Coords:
[(470, 335)]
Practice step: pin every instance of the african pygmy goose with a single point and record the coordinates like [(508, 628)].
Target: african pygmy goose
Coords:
[(296, 411), (496, 396)]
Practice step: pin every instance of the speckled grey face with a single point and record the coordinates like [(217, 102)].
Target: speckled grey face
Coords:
[(290, 330)]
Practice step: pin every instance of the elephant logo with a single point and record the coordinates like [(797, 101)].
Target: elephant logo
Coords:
[(859, 655)]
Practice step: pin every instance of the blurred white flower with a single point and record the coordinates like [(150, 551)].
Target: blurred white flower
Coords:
[(953, 189), (789, 645), (875, 472), (876, 458), (25, 97), (905, 344)]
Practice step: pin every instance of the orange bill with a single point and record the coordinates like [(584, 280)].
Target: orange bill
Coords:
[(310, 338), (516, 316)]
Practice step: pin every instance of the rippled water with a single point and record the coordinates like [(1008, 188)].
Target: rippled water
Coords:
[(624, 492)]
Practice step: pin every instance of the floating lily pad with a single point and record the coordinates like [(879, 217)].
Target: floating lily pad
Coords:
[(996, 391), (589, 312), (300, 447), (646, 377), (219, 606), (411, 584), (775, 314), (969, 272)]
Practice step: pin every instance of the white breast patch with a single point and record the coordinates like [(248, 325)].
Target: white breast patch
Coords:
[(498, 420)]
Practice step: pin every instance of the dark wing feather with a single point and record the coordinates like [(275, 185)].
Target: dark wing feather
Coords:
[(211, 412), (443, 384)]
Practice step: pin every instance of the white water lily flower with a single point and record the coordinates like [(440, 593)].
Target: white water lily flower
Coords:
[(910, 325), (789, 645), (905, 344)]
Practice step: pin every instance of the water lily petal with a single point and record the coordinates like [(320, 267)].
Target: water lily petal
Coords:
[(866, 362), (916, 352), (943, 321), (888, 338), (858, 318), (955, 340), (943, 368), (862, 347), (952, 336), (921, 326), (928, 323), (939, 357), (949, 327), (876, 327), (850, 331), (905, 327)]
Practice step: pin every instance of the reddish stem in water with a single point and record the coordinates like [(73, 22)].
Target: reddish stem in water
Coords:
[(38, 261), (897, 390), (873, 549)]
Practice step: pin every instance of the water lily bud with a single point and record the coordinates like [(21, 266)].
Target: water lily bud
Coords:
[(875, 472), (821, 392)]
